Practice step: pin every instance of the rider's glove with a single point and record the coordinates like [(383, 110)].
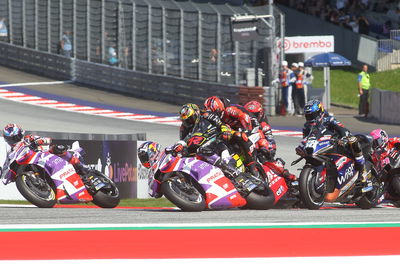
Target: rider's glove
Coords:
[(226, 132), (178, 147), (299, 151)]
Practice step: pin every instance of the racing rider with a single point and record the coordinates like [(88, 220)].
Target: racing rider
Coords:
[(235, 118), (314, 113), (382, 148), (267, 145), (14, 135)]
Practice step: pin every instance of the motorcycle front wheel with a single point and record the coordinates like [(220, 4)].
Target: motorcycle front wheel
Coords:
[(36, 189), (183, 191), (108, 196), (312, 191)]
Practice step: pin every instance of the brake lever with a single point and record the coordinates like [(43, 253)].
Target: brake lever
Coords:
[(296, 161)]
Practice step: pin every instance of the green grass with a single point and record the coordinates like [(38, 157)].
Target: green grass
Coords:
[(162, 202), (344, 88)]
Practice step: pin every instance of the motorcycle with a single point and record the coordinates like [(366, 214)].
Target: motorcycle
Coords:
[(195, 185), (329, 174), (44, 178), (389, 171)]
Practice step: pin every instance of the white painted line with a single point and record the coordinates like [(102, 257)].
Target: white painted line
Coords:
[(290, 261), (8, 94), (35, 83), (161, 225)]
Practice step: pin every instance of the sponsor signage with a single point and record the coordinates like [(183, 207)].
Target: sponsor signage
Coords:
[(115, 159), (245, 31), (308, 44)]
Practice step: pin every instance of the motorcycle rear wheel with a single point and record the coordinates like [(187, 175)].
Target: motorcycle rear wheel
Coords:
[(370, 199), (36, 190), (183, 192), (108, 196), (309, 195)]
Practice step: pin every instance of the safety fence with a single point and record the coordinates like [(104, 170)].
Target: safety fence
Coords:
[(389, 52), (172, 38), (143, 85)]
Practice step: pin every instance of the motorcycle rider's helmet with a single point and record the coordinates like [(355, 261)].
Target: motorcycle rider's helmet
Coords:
[(216, 104), (13, 134), (256, 108), (189, 114), (380, 139), (313, 110), (148, 153)]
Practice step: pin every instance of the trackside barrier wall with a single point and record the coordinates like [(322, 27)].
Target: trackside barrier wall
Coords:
[(113, 155), (149, 86), (143, 85), (41, 63), (385, 106)]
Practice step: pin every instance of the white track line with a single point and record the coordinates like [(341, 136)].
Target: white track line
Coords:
[(35, 83)]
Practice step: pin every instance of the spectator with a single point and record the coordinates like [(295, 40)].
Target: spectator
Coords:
[(66, 45), (284, 81), (363, 25), (353, 23), (386, 28), (3, 30), (363, 89), (214, 55), (298, 90), (292, 87), (341, 4), (112, 55)]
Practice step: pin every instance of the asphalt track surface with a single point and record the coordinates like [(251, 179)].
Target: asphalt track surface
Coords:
[(42, 119)]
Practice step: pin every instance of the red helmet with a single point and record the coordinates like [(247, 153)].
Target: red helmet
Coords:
[(214, 104), (255, 108)]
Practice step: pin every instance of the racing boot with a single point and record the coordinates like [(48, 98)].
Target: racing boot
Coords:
[(235, 174), (360, 163), (365, 176)]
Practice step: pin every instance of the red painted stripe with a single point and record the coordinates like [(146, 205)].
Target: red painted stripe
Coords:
[(18, 96), (34, 100), (199, 243)]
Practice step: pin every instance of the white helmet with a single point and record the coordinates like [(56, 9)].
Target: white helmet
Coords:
[(284, 63), (295, 65), (301, 64)]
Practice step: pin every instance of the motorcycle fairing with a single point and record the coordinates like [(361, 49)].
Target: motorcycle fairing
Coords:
[(219, 190), (69, 185), (276, 183)]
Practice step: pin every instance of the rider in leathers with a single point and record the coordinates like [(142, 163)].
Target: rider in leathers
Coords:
[(267, 144), (14, 135), (236, 117), (314, 113)]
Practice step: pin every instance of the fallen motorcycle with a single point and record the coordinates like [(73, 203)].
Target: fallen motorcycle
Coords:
[(195, 185), (44, 179)]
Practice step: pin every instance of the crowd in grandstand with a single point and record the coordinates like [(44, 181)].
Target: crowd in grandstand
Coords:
[(371, 17)]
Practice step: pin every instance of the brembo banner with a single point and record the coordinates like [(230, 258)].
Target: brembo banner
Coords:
[(308, 44)]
